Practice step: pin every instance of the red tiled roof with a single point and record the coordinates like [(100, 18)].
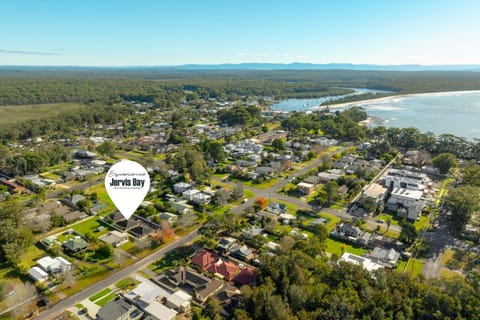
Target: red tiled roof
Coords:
[(204, 259), (246, 276), (227, 269)]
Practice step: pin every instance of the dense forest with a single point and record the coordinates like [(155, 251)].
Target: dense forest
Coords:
[(166, 86), (295, 285)]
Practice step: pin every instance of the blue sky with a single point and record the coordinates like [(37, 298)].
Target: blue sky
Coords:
[(165, 32)]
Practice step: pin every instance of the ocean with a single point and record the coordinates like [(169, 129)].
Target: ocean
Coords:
[(456, 113)]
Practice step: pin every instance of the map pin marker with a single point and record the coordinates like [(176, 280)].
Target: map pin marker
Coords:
[(127, 183)]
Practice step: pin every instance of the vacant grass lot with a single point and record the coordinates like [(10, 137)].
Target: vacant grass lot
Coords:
[(15, 114)]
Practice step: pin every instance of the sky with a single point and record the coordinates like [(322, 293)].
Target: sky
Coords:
[(176, 32)]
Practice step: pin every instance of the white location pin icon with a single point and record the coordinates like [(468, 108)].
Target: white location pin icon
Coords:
[(127, 183)]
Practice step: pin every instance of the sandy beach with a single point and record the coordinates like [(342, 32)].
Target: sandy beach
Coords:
[(400, 96)]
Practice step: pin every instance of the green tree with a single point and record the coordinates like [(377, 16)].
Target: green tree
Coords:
[(463, 201), (444, 162), (104, 251), (408, 233), (278, 144), (106, 148)]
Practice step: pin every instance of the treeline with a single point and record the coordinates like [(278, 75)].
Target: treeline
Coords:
[(66, 122), (243, 116), (339, 125), (32, 90), (165, 87), (36, 161), (413, 139), (296, 286)]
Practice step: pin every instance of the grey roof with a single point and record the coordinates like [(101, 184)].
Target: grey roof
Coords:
[(114, 310), (75, 244), (385, 255)]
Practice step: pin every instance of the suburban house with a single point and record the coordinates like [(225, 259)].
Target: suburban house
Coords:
[(37, 274), (366, 263), (347, 232), (145, 293), (376, 192), (49, 264), (201, 198), (73, 200), (188, 194), (202, 286), (387, 258), (84, 154), (397, 178), (12, 186), (242, 252), (180, 301), (226, 243), (169, 217), (181, 207), (181, 187), (407, 203), (252, 232), (159, 311), (75, 244), (59, 264), (224, 269), (119, 309), (204, 259), (305, 188), (115, 238)]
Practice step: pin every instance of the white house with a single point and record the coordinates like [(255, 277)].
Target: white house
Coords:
[(376, 192), (407, 203), (201, 198), (181, 187), (37, 274), (65, 265), (179, 301), (366, 263), (188, 194), (160, 311), (49, 264)]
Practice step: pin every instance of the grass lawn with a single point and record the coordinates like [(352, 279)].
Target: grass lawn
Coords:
[(414, 266), (50, 175), (385, 216), (100, 294), (332, 220), (127, 284), (383, 231), (101, 193), (29, 258), (335, 247), (449, 274), (14, 114), (422, 224), (401, 265), (171, 259), (127, 246), (90, 225), (105, 300), (447, 255), (264, 185), (248, 194)]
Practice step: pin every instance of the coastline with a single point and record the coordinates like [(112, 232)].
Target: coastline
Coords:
[(359, 103)]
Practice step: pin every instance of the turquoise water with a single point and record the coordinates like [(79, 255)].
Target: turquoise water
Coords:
[(456, 113), (309, 104)]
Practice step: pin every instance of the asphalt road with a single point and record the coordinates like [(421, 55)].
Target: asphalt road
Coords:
[(58, 308)]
